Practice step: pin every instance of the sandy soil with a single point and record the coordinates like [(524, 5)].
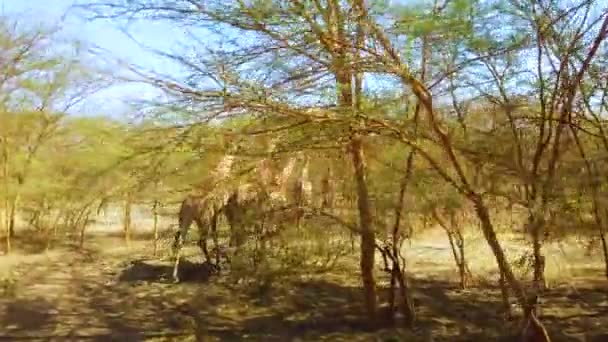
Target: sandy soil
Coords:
[(108, 292)]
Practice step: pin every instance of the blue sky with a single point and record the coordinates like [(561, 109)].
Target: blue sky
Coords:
[(106, 36)]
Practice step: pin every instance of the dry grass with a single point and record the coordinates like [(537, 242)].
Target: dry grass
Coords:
[(109, 292)]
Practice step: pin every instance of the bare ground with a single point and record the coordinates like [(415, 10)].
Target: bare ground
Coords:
[(110, 293)]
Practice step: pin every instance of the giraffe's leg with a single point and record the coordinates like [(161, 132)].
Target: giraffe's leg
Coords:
[(186, 214), (202, 242), (229, 212), (298, 215), (177, 245), (215, 240)]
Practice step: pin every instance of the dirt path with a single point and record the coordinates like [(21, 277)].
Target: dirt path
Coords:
[(108, 293), (79, 295)]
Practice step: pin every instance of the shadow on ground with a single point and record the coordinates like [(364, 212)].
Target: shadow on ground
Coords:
[(28, 242), (154, 271), (108, 299), (320, 310)]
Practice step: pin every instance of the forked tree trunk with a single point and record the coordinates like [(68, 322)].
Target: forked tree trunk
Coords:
[(392, 305), (368, 238), (80, 223), (504, 293), (539, 265), (539, 259), (127, 220), (4, 225), (457, 244), (345, 76), (461, 261), (83, 226), (456, 240), (405, 293), (501, 259), (399, 269), (5, 174), (51, 233), (12, 215), (155, 225), (604, 250), (56, 228)]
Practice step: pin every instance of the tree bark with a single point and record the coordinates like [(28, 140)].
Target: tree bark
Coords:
[(5, 174), (155, 225), (504, 293), (465, 272), (83, 227), (346, 78), (406, 296), (539, 263), (399, 270), (604, 250), (456, 240), (368, 236), (4, 227), (12, 215), (127, 220), (492, 240)]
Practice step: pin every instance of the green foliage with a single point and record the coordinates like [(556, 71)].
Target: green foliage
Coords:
[(491, 136)]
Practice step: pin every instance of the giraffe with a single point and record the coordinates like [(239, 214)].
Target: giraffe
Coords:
[(204, 210), (266, 195), (302, 191), (533, 329), (222, 196), (328, 190)]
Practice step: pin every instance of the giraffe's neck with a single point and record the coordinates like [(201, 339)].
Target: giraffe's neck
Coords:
[(286, 173), (304, 174), (224, 167)]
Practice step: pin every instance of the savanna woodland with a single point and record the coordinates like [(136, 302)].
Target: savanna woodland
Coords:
[(310, 170)]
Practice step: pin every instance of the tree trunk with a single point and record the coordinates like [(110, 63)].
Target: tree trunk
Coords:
[(539, 259), (55, 229), (504, 292), (391, 294), (398, 276), (6, 210), (406, 296), (127, 220), (12, 215), (463, 265), (346, 78), (456, 240), (51, 234), (4, 227), (457, 246), (604, 250), (492, 240), (368, 236), (155, 226), (539, 265), (401, 276), (83, 227)]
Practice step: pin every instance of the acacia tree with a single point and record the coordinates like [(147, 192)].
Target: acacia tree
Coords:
[(74, 181), (554, 116), (42, 79), (590, 138), (541, 131), (285, 32), (302, 49)]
